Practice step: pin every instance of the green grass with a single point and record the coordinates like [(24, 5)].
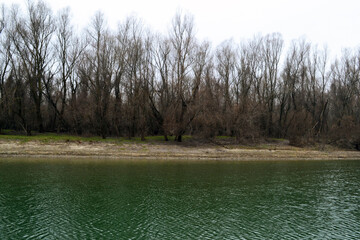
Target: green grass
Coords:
[(54, 137), (224, 137), (49, 137), (6, 131), (277, 139)]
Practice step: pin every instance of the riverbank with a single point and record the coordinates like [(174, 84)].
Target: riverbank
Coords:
[(168, 150)]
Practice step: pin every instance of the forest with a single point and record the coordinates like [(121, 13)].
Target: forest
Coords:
[(135, 82)]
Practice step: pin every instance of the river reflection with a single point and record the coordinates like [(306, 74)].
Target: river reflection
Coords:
[(180, 200)]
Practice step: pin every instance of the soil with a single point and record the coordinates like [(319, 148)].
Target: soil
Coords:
[(180, 151)]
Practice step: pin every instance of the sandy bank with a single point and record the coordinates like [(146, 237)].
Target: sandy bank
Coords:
[(12, 148)]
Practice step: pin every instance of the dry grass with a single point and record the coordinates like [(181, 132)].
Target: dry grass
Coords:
[(13, 148)]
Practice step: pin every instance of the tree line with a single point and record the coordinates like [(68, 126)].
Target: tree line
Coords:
[(133, 82)]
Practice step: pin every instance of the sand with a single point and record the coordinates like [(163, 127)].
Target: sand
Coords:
[(170, 150)]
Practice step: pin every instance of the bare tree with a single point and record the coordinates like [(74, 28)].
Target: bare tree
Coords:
[(121, 48), (225, 68), (2, 18), (161, 97), (32, 40), (272, 49), (315, 102), (291, 90), (5, 65), (246, 89), (97, 70), (67, 51), (135, 76), (183, 42), (135, 83)]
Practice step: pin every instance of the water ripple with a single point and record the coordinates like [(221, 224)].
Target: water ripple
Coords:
[(180, 201)]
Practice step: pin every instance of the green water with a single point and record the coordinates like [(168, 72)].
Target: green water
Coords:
[(179, 200)]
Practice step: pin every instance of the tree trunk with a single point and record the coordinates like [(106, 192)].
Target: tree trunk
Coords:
[(39, 119), (178, 138)]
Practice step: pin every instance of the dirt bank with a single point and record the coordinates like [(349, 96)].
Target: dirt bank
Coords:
[(13, 148)]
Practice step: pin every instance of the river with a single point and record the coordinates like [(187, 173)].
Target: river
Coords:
[(179, 200)]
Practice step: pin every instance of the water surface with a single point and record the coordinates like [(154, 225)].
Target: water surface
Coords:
[(180, 200)]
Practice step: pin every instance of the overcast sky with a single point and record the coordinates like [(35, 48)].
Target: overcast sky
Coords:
[(330, 22)]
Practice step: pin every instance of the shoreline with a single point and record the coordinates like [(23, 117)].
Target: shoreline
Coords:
[(96, 151)]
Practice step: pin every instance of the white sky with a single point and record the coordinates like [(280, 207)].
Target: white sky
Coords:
[(332, 22)]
